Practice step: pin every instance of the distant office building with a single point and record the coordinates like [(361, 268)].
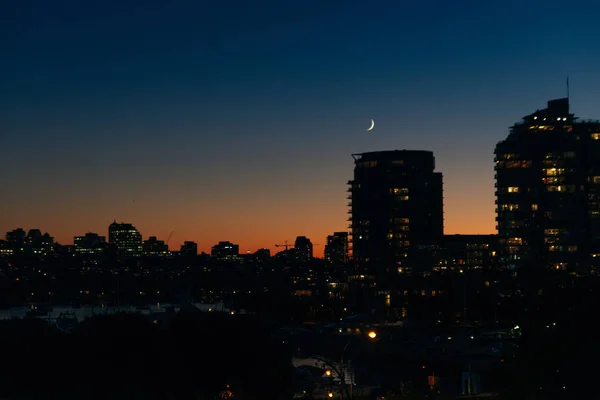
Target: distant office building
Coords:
[(16, 239), (189, 249), (262, 255), (32, 243), (467, 252), (90, 244), (154, 247), (33, 236), (38, 244), (5, 249), (303, 249), (336, 249), (225, 251), (396, 209), (548, 191), (126, 238)]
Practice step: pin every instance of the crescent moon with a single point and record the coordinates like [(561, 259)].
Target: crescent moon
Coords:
[(372, 125)]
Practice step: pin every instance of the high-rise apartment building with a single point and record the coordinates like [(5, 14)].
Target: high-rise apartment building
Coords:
[(154, 247), (303, 249), (468, 252), (396, 209), (336, 249), (225, 251), (189, 249), (90, 244), (548, 191), (126, 239)]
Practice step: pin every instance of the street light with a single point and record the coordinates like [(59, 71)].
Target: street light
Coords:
[(372, 335)]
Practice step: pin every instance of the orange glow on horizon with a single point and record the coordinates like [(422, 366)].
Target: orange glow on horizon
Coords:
[(267, 235)]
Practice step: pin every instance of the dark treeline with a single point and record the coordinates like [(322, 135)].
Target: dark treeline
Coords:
[(195, 356)]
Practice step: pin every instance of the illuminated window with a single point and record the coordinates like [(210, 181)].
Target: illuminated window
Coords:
[(534, 207), (542, 127), (553, 180), (555, 232), (553, 171), (595, 180), (561, 188), (367, 164), (514, 241), (402, 198), (399, 190), (572, 248), (513, 189), (595, 136), (509, 207)]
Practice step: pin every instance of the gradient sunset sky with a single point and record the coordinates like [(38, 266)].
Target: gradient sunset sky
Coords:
[(235, 120)]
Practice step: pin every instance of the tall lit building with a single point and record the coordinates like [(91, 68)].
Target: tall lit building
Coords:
[(548, 191), (467, 252), (189, 249), (225, 251), (38, 244), (126, 239), (16, 239), (303, 249), (89, 244), (154, 247), (396, 209), (336, 249)]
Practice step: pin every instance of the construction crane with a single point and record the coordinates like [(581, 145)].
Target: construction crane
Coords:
[(169, 238), (286, 245)]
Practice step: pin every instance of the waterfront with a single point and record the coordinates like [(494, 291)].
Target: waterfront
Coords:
[(84, 312)]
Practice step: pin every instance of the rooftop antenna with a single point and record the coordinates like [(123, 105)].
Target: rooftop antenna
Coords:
[(567, 88)]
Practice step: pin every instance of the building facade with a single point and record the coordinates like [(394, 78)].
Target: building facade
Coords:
[(397, 209), (548, 191), (126, 239), (469, 252), (90, 244), (303, 249), (336, 249), (225, 251), (154, 247), (189, 249)]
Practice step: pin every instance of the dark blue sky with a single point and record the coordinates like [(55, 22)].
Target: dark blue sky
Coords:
[(171, 114)]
